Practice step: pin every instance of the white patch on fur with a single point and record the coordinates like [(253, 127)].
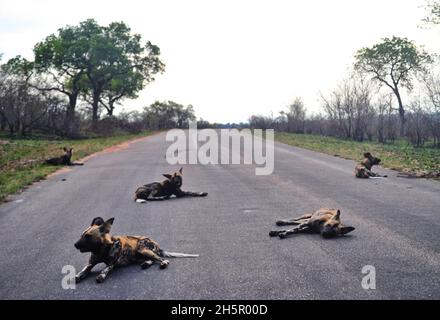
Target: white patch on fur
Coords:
[(141, 201), (377, 177)]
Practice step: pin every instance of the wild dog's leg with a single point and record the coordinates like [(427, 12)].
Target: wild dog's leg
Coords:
[(84, 272), (104, 273), (301, 228), (71, 164), (362, 173), (152, 256), (153, 196), (146, 264), (372, 174), (276, 233), (295, 221), (181, 194)]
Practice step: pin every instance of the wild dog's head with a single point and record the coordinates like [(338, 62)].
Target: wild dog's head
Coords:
[(176, 178), (333, 227), (68, 152), (373, 160), (95, 236)]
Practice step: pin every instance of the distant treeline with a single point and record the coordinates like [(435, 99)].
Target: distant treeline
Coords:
[(358, 110), (370, 103)]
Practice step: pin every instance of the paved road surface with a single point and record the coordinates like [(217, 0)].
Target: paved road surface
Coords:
[(397, 230)]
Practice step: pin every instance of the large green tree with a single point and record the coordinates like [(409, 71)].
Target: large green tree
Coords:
[(97, 61), (60, 59), (393, 62), (120, 87), (118, 65), (168, 115)]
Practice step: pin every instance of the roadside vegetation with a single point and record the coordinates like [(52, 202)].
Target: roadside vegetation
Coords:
[(398, 155), (22, 159)]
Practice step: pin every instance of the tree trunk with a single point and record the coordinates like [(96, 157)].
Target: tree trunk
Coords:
[(69, 123), (95, 108), (2, 123), (401, 113), (111, 107)]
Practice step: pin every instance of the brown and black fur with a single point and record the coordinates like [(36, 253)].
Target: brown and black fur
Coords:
[(363, 169), (326, 222), (65, 159), (119, 251), (164, 190)]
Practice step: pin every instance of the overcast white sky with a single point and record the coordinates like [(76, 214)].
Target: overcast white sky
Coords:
[(232, 58)]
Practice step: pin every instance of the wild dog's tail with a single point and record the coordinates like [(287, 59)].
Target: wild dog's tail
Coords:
[(140, 200), (167, 254)]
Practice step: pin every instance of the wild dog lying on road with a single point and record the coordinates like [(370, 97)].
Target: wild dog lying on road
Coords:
[(326, 222), (119, 251), (64, 159), (165, 189), (363, 169)]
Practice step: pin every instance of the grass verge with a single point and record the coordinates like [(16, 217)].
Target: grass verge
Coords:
[(398, 156), (21, 160)]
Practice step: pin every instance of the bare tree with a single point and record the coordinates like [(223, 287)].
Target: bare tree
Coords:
[(296, 115), (349, 108), (417, 131), (432, 85)]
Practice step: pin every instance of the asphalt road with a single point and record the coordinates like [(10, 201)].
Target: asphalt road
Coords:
[(397, 224)]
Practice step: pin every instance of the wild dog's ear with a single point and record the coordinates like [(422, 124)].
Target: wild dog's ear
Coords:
[(71, 149), (105, 228), (168, 176), (337, 216), (181, 170), (344, 230), (367, 154), (97, 221), (65, 149)]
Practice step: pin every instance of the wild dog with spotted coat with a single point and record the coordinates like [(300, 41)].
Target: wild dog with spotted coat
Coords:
[(363, 169), (157, 191), (326, 222), (119, 251), (65, 159)]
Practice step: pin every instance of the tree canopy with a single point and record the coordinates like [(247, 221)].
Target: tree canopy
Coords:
[(433, 12), (393, 62), (104, 63)]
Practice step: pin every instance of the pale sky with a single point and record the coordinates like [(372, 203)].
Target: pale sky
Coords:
[(232, 58)]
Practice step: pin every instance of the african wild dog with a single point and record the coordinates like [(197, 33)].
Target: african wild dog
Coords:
[(65, 159), (165, 189), (363, 169), (119, 251), (326, 222)]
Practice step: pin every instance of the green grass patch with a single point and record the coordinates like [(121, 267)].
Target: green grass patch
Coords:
[(398, 156), (22, 159)]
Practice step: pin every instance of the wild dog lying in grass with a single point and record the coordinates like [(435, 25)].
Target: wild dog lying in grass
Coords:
[(65, 159), (119, 251), (164, 190), (363, 169), (326, 222)]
